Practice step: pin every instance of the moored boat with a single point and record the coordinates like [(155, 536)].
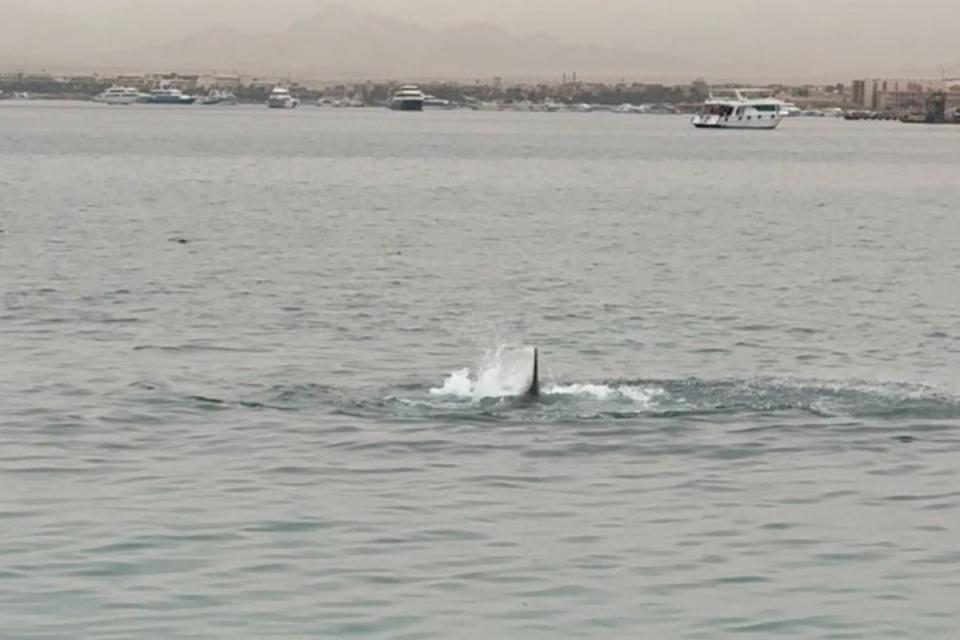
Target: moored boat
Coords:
[(119, 95), (408, 98), (219, 96), (740, 109), (280, 98), (433, 102), (790, 110), (169, 96)]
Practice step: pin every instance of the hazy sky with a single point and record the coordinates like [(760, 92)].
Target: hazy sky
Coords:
[(804, 38)]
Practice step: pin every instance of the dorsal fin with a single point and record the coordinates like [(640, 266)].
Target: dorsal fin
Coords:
[(534, 390)]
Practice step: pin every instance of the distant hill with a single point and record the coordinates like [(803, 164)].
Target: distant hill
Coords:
[(342, 42)]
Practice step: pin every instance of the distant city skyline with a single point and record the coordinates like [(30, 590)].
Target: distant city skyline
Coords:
[(660, 39)]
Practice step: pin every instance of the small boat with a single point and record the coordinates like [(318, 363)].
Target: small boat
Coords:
[(477, 105), (740, 109), (170, 96), (433, 102), (119, 95), (280, 98), (219, 96), (340, 103), (626, 107), (790, 110), (659, 109), (408, 98)]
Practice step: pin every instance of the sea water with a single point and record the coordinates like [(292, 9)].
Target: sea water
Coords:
[(250, 385)]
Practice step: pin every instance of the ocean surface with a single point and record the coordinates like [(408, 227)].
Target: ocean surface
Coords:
[(254, 381)]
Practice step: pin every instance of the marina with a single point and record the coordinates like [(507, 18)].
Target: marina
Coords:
[(710, 107)]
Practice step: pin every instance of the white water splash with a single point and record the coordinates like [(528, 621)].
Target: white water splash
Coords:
[(643, 396), (503, 372), (507, 371)]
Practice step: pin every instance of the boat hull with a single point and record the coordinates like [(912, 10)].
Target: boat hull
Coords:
[(117, 100), (407, 105), (719, 122), (171, 101)]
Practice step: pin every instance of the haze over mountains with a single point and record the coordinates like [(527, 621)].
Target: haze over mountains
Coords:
[(420, 39), (341, 42)]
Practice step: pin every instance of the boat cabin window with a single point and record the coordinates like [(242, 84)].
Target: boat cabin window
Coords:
[(718, 109), (766, 107)]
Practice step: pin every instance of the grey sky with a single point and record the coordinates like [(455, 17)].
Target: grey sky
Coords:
[(740, 38)]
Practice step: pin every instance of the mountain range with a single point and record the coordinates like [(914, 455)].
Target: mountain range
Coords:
[(337, 42)]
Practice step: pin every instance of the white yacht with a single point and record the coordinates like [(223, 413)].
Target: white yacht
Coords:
[(409, 98), (119, 95), (280, 98), (740, 109)]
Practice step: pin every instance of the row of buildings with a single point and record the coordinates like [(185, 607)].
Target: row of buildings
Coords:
[(904, 96)]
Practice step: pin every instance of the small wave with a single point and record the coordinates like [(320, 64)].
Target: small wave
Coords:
[(632, 398), (457, 400), (496, 393), (188, 348), (643, 395)]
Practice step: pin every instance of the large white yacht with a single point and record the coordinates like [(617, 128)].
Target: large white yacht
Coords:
[(120, 95), (280, 98), (740, 109), (409, 98)]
